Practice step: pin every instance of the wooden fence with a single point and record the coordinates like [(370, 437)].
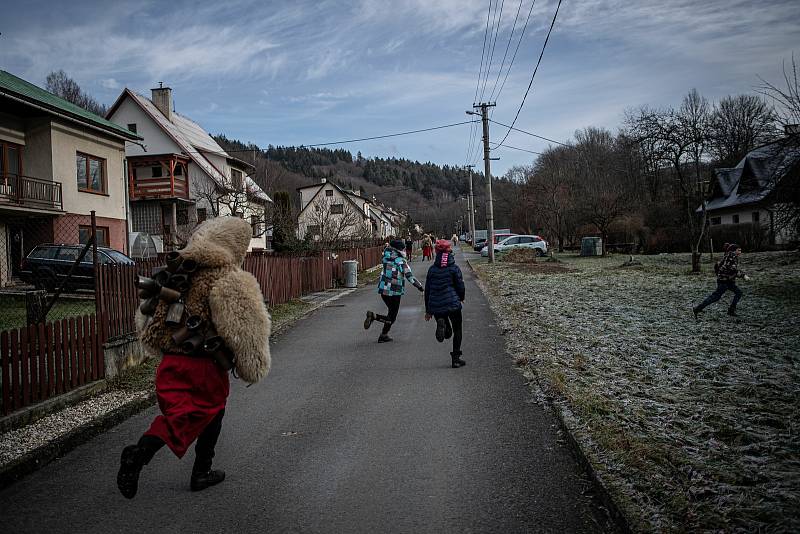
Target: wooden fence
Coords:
[(41, 361)]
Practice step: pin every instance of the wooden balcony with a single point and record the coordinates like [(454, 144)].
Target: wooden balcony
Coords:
[(28, 192), (172, 184)]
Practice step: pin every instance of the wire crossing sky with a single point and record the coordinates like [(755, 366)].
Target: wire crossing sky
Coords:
[(299, 72)]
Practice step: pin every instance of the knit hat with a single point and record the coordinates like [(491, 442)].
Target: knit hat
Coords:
[(732, 247), (398, 244), (443, 245)]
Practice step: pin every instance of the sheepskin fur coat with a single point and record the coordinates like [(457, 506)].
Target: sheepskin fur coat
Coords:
[(223, 294)]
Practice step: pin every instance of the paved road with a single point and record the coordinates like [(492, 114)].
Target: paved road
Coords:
[(345, 435)]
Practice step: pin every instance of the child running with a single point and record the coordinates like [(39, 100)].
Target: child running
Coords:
[(727, 273), (392, 286), (444, 293)]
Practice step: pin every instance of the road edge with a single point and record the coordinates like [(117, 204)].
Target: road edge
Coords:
[(600, 488)]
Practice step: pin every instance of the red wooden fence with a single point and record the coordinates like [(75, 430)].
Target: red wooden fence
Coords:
[(41, 361)]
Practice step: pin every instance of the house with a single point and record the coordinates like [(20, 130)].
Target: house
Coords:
[(181, 176), (58, 162), (330, 214), (750, 192)]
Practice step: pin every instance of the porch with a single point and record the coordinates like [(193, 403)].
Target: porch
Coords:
[(158, 177)]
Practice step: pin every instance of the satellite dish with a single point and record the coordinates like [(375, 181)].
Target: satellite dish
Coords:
[(143, 246)]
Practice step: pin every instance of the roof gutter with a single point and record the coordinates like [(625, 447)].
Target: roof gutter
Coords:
[(72, 119)]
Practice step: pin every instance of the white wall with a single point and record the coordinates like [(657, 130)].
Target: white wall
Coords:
[(155, 140)]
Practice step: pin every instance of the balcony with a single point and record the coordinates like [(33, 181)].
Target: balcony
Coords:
[(158, 177), (28, 192)]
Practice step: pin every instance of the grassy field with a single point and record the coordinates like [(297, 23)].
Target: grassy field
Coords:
[(694, 425), (12, 310)]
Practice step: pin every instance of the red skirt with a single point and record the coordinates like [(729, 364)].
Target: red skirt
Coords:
[(191, 392), (426, 251)]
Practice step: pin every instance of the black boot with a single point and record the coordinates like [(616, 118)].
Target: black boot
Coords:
[(368, 320), (384, 338), (732, 311), (130, 466), (448, 330), (204, 479), (440, 330), (457, 361)]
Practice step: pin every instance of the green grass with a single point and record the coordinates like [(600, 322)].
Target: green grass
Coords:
[(13, 315)]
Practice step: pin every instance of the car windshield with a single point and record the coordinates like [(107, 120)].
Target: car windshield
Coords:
[(118, 257)]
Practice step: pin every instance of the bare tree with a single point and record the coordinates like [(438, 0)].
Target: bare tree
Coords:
[(551, 187), (786, 99), (58, 83), (331, 221), (738, 125), (232, 197)]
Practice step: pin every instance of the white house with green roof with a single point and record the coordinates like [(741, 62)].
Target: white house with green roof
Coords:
[(58, 162)]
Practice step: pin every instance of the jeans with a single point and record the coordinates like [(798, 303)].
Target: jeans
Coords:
[(393, 305), (722, 287), (455, 320)]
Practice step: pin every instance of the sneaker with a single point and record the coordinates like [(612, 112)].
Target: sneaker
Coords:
[(440, 328), (696, 313), (130, 465), (368, 320), (384, 338), (201, 481)]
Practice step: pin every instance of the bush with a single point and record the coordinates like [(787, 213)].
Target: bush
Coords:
[(518, 255), (749, 236)]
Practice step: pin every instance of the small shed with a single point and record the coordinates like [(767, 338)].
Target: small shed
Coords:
[(591, 246)]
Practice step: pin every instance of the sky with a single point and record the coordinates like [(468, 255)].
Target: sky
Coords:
[(305, 72)]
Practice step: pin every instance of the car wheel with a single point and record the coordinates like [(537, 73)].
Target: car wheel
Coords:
[(539, 252)]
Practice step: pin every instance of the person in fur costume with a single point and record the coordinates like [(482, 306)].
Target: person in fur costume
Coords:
[(444, 293), (223, 309)]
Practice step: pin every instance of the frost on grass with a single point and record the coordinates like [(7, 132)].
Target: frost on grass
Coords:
[(693, 425)]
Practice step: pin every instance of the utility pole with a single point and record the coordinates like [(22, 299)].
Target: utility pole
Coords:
[(484, 106), (471, 206)]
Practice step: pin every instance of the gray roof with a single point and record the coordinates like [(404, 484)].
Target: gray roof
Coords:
[(755, 177)]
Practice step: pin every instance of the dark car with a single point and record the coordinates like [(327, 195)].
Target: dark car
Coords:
[(479, 244), (48, 265)]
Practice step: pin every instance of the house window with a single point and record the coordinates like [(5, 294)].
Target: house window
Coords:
[(85, 232), (255, 222), (132, 127), (156, 172), (236, 179), (756, 216), (329, 192), (313, 229), (178, 170), (201, 215), (10, 160), (182, 216), (716, 220), (337, 209), (91, 172), (735, 219)]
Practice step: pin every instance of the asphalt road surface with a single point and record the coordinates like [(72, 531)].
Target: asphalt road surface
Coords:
[(344, 435)]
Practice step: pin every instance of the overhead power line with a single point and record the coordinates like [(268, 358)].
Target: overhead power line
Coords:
[(522, 150), (470, 144), (497, 21), (388, 135), (535, 70), (521, 36), (526, 133), (505, 54)]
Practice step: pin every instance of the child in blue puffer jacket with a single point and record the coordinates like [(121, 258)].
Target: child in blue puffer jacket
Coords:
[(444, 293)]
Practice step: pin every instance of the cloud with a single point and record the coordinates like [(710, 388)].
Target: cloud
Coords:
[(109, 83)]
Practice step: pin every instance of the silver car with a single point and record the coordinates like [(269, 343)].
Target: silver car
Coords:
[(519, 241)]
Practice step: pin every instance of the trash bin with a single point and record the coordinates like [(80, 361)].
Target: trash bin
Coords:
[(350, 273)]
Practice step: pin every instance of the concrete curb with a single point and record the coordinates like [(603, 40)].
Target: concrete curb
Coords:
[(41, 456), (33, 413), (598, 485)]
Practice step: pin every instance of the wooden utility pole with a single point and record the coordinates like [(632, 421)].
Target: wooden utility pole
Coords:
[(488, 173), (471, 207)]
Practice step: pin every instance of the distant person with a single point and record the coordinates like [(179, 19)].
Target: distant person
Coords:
[(444, 293), (727, 271), (427, 248), (409, 247), (454, 240), (391, 287)]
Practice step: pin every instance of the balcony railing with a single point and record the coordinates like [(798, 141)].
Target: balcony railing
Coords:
[(26, 191)]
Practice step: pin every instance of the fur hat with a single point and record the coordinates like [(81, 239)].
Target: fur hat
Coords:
[(443, 245), (398, 244)]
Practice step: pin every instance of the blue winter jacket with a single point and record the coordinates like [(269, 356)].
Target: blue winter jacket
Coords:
[(395, 273), (444, 286)]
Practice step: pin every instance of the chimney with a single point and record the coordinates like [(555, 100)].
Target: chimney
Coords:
[(791, 129), (324, 181), (162, 98)]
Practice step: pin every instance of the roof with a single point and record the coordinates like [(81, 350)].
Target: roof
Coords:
[(754, 177), (193, 140), (344, 193), (18, 88)]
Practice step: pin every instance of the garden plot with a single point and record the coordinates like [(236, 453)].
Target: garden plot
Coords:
[(692, 425)]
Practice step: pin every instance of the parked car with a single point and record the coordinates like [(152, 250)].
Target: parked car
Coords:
[(519, 241), (47, 265), (479, 244), (497, 238)]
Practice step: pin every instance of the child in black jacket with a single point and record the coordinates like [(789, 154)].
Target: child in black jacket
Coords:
[(444, 293)]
